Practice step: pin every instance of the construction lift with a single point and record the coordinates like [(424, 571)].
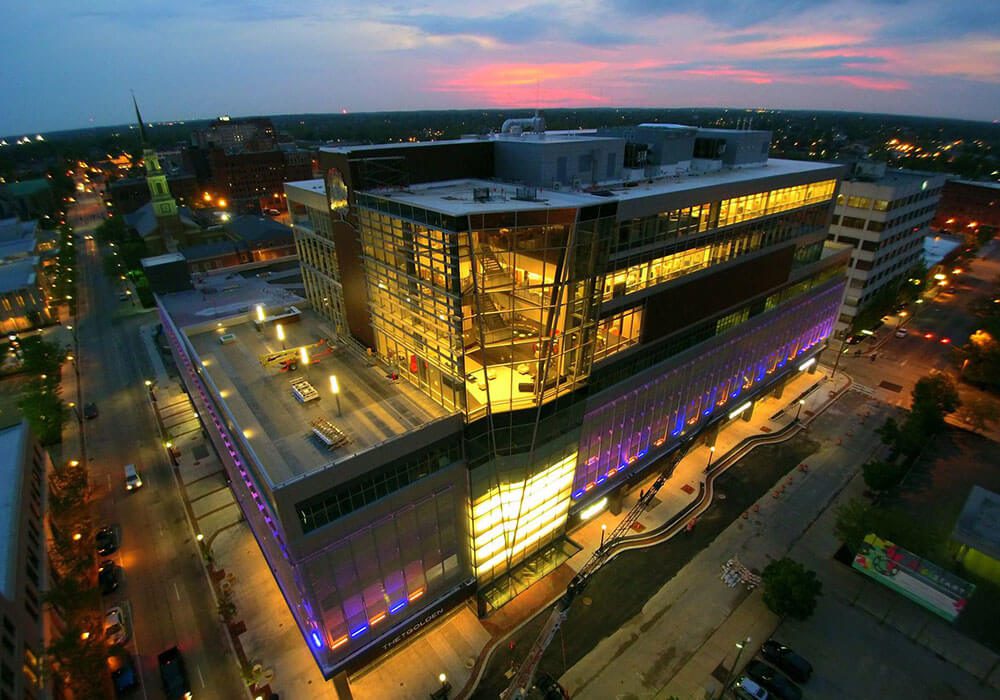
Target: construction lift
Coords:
[(527, 683)]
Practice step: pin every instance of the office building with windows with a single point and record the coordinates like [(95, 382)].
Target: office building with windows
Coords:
[(501, 335), (23, 466), (884, 215)]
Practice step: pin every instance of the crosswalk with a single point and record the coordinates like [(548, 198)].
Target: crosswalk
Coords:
[(863, 389)]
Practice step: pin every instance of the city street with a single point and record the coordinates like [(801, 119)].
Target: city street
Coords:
[(164, 591), (900, 362)]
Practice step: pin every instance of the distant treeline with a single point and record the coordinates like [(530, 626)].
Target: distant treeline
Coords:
[(819, 135)]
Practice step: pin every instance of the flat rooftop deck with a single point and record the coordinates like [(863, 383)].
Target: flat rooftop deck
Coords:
[(455, 197), (373, 409)]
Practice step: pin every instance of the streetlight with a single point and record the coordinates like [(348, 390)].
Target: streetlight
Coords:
[(711, 453), (604, 529), (304, 356), (442, 692), (335, 388), (799, 409), (281, 334), (739, 651), (836, 364)]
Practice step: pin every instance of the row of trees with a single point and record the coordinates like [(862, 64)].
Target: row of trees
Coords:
[(77, 651), (127, 252), (40, 403), (934, 397)]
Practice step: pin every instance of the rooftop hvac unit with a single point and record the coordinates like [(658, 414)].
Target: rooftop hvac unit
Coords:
[(526, 194), (481, 194)]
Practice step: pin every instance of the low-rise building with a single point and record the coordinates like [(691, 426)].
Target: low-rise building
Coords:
[(968, 207)]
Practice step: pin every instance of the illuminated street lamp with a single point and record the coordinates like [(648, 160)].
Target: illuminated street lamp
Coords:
[(604, 529), (740, 646), (711, 454), (260, 312), (335, 388), (281, 334), (77, 537), (799, 409), (304, 356)]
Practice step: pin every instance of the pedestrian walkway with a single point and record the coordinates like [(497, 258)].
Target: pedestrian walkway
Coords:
[(770, 415), (266, 638), (459, 644)]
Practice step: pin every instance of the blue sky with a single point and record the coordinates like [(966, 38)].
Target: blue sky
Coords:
[(72, 64)]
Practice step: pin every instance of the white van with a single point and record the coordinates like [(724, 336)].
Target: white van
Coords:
[(132, 479)]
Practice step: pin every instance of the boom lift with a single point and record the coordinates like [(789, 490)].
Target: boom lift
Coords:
[(522, 685)]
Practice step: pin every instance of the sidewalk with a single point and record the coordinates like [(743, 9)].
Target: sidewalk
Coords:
[(770, 415), (458, 645), (266, 635)]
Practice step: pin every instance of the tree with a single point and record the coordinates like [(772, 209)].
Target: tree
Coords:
[(226, 607), (790, 590), (882, 476), (854, 520), (889, 432), (933, 398), (980, 412), (45, 412)]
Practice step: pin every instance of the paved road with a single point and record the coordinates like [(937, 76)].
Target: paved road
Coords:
[(165, 592), (900, 362)]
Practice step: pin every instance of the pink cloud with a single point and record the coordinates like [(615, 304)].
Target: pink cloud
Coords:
[(740, 74), (526, 84), (869, 83)]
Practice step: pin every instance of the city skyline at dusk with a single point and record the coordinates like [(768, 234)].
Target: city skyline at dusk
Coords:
[(72, 66)]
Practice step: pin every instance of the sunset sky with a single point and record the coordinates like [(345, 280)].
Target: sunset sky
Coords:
[(71, 64)]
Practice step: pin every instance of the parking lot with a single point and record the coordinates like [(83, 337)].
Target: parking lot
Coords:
[(855, 656)]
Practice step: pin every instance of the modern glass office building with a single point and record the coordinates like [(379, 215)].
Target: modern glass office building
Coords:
[(524, 324)]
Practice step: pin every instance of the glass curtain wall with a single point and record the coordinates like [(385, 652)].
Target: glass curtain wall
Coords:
[(528, 308), (679, 223), (712, 249), (416, 309)]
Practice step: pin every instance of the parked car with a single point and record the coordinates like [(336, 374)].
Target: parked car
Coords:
[(123, 674), (746, 689), (901, 332), (114, 626), (774, 682), (106, 541), (173, 675), (797, 668), (90, 410), (107, 577)]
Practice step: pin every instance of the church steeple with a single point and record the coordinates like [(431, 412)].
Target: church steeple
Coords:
[(142, 127), (164, 206)]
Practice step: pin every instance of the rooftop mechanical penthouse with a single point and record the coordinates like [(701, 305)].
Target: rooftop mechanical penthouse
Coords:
[(500, 335)]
